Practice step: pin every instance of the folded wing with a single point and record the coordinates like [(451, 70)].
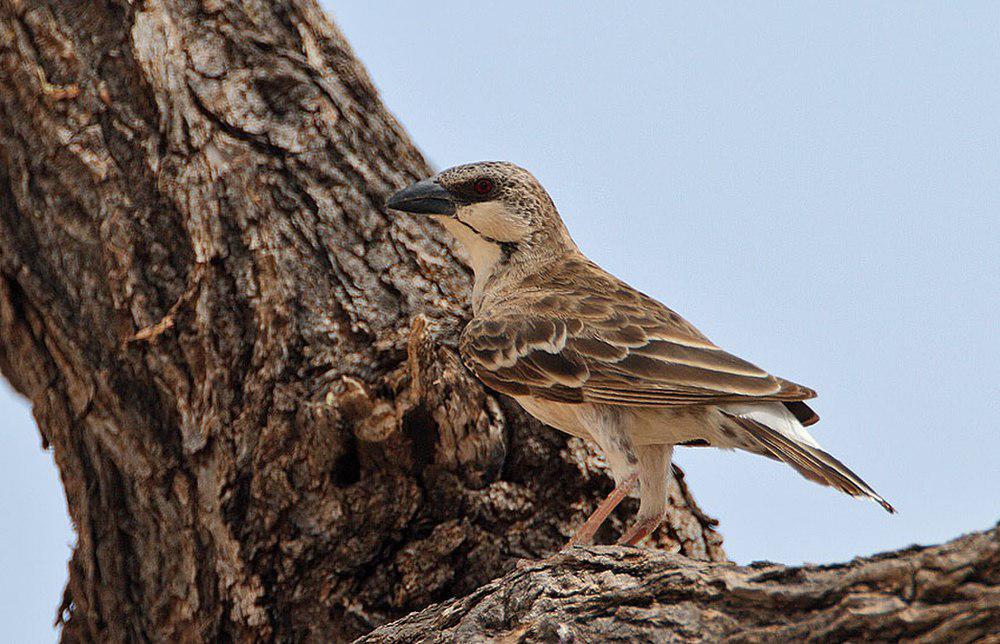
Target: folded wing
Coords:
[(612, 345)]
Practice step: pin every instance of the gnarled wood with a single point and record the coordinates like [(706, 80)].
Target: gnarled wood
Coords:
[(245, 367), (948, 593)]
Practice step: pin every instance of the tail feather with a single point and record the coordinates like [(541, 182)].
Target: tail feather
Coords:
[(809, 460)]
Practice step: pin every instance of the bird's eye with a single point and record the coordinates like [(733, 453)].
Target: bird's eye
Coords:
[(483, 187)]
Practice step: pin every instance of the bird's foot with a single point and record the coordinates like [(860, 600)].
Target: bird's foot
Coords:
[(639, 530)]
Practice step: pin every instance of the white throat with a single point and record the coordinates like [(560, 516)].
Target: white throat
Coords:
[(483, 255)]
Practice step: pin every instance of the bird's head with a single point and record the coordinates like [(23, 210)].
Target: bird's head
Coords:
[(497, 210)]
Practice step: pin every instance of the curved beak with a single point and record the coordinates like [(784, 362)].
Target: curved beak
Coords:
[(425, 197)]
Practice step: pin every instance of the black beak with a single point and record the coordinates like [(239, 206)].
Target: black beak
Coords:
[(425, 197)]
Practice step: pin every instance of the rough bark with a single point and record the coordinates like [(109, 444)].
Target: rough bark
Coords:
[(948, 593), (245, 367)]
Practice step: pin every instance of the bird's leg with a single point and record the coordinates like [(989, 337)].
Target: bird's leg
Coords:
[(641, 529), (586, 532), (654, 473)]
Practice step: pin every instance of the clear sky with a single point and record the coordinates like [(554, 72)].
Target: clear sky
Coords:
[(815, 186)]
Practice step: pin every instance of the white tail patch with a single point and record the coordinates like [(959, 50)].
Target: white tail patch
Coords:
[(777, 417), (780, 435)]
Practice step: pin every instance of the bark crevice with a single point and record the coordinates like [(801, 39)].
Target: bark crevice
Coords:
[(244, 366), (246, 371)]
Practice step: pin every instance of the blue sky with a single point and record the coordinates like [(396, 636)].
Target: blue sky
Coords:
[(814, 185)]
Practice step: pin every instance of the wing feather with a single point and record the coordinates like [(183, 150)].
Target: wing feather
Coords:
[(578, 334)]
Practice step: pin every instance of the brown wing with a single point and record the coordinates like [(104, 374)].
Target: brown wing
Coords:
[(611, 344)]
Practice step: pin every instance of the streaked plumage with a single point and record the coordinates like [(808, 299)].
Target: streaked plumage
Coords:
[(586, 353), (575, 333)]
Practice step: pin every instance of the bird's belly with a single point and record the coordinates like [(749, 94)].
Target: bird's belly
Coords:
[(671, 425), (645, 425), (572, 418)]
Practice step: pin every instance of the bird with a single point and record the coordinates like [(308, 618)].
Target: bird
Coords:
[(583, 352)]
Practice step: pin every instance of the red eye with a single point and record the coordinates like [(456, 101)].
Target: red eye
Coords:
[(483, 186)]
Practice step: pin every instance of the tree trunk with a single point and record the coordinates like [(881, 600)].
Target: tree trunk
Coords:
[(244, 366), (948, 593)]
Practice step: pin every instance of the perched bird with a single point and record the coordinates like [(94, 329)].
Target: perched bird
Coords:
[(586, 353)]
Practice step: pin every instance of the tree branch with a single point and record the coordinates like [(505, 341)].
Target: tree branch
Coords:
[(946, 593)]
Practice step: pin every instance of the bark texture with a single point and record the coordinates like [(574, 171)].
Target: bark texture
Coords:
[(948, 593), (244, 367)]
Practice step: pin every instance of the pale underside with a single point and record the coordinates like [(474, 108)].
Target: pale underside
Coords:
[(646, 425)]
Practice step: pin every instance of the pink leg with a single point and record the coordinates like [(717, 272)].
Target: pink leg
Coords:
[(586, 532), (641, 529)]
